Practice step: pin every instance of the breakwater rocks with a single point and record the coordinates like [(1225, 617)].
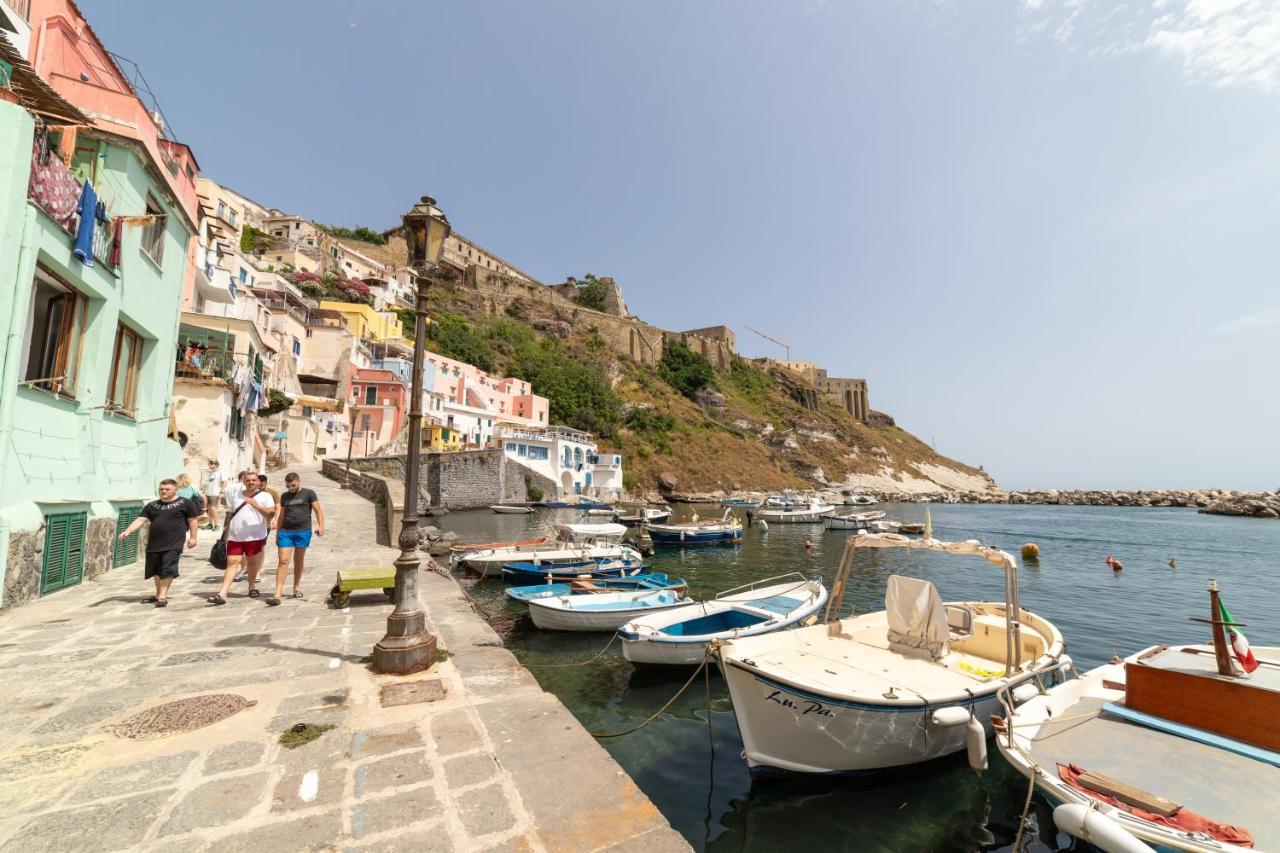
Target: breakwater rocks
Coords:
[(1212, 501)]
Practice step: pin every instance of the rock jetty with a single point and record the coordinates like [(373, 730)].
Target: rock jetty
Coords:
[(1212, 501)]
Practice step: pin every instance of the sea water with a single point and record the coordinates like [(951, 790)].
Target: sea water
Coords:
[(698, 778)]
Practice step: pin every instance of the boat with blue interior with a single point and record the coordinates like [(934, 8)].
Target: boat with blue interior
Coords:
[(604, 612), (536, 572), (680, 636), (591, 586)]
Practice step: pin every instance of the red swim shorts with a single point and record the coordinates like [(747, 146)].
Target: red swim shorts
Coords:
[(252, 548)]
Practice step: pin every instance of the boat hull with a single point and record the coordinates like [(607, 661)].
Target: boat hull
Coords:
[(681, 538), (786, 728), (555, 619)]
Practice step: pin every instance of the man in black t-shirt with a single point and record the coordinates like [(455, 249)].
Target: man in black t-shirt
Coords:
[(293, 532), (172, 519)]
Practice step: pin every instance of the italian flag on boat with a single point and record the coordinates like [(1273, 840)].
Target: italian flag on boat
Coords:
[(1239, 644)]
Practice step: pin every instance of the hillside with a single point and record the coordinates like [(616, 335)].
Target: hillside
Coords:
[(748, 427)]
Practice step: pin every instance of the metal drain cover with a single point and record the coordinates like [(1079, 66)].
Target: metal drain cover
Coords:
[(184, 715), (413, 692)]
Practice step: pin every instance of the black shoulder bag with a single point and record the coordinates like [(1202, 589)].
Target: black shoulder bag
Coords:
[(218, 554)]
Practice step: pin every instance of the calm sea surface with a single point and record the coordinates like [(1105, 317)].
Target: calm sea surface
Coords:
[(700, 782)]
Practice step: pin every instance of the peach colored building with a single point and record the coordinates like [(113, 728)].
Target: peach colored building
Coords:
[(475, 403)]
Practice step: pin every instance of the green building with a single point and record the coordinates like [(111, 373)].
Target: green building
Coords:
[(88, 354)]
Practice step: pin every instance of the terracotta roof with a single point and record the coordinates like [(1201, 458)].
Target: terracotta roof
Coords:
[(35, 94)]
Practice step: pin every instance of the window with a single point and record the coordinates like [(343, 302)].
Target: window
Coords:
[(522, 450), (370, 395), (537, 452), (511, 446), (235, 424), (222, 210), (63, 563), (126, 360), (297, 347), (57, 321), (232, 220), (153, 234), (244, 275)]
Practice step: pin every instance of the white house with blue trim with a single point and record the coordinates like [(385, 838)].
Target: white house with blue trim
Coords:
[(567, 457)]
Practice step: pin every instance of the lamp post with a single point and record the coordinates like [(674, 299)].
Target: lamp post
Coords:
[(407, 647), (351, 443)]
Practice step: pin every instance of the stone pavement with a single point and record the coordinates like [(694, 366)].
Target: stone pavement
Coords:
[(497, 764)]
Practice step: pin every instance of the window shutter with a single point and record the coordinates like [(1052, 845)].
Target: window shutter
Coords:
[(63, 564), (75, 548), (126, 552)]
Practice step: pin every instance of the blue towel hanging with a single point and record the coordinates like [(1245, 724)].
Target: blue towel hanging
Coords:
[(83, 248)]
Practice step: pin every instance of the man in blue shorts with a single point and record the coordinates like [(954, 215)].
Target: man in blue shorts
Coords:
[(293, 532)]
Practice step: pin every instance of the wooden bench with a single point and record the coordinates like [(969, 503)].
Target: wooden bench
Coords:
[(350, 580)]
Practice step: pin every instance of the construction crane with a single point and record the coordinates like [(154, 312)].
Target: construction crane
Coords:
[(785, 344)]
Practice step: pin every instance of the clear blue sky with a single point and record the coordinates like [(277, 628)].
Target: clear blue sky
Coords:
[(1046, 232)]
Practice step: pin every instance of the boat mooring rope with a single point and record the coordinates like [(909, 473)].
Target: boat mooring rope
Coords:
[(1026, 811), (597, 657), (701, 667)]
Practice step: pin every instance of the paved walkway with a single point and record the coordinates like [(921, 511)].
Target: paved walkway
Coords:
[(497, 764)]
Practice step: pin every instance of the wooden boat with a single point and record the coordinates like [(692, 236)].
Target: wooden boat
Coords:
[(916, 681), (489, 561), (511, 510), (601, 512), (605, 612), (592, 531), (543, 573), (1173, 746), (591, 586), (520, 543), (643, 515), (913, 527), (725, 531), (837, 520), (812, 512), (680, 636)]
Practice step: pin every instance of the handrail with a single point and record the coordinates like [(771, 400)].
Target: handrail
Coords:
[(775, 578)]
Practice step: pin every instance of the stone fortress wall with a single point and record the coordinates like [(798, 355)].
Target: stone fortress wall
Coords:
[(851, 394)]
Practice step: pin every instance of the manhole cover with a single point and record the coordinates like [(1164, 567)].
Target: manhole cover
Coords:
[(413, 692), (184, 715)]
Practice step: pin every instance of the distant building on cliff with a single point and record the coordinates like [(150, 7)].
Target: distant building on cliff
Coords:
[(851, 394)]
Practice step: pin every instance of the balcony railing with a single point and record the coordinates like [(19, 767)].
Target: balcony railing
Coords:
[(22, 7), (209, 364), (56, 191)]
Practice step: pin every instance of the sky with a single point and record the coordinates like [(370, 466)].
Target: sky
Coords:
[(1044, 231)]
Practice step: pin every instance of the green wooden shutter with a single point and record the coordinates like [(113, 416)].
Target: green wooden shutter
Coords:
[(63, 563), (126, 552)]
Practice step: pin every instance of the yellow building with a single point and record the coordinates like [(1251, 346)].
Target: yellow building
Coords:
[(442, 438), (366, 323)]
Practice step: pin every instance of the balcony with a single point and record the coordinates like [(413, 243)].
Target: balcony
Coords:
[(56, 192), (205, 365)]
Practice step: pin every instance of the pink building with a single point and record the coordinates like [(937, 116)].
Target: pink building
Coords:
[(474, 403)]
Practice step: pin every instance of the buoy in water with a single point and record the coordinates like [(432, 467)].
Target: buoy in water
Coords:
[(1173, 564), (1115, 564), (1031, 551)]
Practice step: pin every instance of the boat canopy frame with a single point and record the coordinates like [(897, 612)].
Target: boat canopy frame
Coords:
[(970, 547)]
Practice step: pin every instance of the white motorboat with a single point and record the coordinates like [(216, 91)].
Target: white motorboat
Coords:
[(605, 513), (592, 531), (916, 681), (1174, 747), (638, 515), (811, 512), (860, 500), (489, 561), (606, 611), (680, 636), (511, 510), (836, 520)]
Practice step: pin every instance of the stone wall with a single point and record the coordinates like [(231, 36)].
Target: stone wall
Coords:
[(625, 335), (26, 558), (851, 394), (386, 491), (468, 479)]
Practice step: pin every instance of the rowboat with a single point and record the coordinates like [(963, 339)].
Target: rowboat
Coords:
[(605, 612), (812, 512), (511, 510), (592, 531), (916, 681), (726, 531), (544, 573), (680, 636), (859, 500), (744, 503), (521, 543), (913, 527), (643, 515), (1174, 747), (836, 520), (489, 561), (591, 586)]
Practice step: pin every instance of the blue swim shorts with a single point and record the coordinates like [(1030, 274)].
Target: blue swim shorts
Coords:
[(293, 538)]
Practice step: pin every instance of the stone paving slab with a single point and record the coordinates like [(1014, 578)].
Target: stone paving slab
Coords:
[(497, 764)]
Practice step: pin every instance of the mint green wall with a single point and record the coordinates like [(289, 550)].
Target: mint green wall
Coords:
[(58, 450)]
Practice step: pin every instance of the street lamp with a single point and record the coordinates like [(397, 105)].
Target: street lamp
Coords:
[(407, 647)]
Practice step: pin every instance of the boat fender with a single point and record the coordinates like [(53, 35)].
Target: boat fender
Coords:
[(764, 526), (1089, 824), (975, 741), (952, 716), (1065, 665), (1025, 692)]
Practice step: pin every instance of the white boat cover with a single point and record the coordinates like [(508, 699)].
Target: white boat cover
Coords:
[(592, 530), (970, 546), (917, 620)]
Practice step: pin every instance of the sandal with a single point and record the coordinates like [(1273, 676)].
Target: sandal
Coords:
[(162, 602), (216, 599), (297, 593), (273, 601), (253, 593), (150, 599)]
